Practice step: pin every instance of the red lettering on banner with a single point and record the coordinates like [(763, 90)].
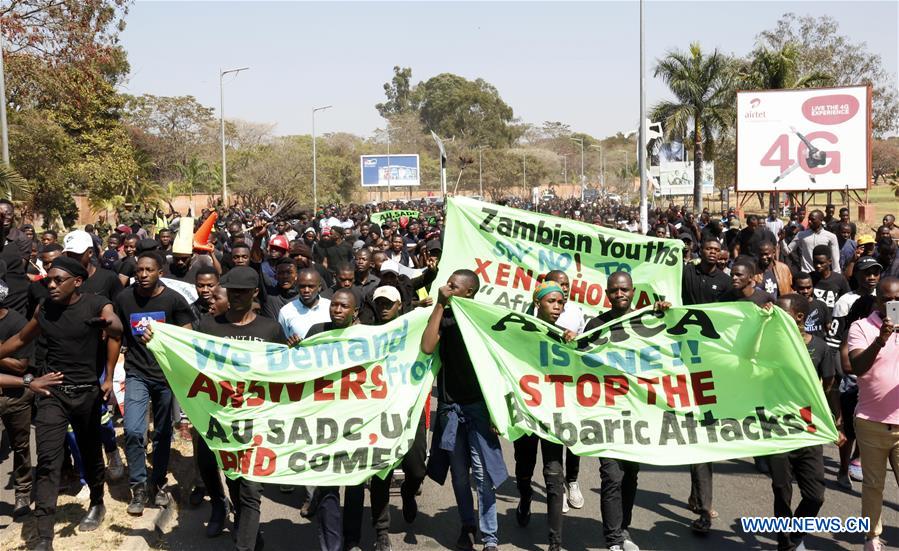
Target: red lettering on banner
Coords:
[(203, 384), (502, 274), (321, 387), (481, 270), (264, 465), (235, 394), (559, 381), (588, 390), (377, 378), (294, 391), (229, 460), (522, 279), (259, 391), (649, 383), (700, 386), (616, 385), (680, 390), (352, 380), (578, 291), (526, 384)]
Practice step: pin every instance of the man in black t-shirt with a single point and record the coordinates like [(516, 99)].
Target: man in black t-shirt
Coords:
[(79, 245), (742, 275), (285, 291), (804, 465), (74, 325), (753, 235), (206, 281), (459, 396), (126, 265), (829, 285), (703, 282), (145, 301), (818, 320)]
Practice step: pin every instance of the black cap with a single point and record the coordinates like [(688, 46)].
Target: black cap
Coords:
[(434, 245), (864, 263), (239, 277), (147, 245), (70, 265)]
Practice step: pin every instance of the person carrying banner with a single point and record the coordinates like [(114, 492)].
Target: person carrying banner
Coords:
[(388, 307), (148, 300), (549, 300), (618, 478), (74, 325), (464, 440), (804, 465)]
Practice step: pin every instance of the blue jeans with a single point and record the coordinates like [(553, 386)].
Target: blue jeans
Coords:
[(466, 457), (138, 394)]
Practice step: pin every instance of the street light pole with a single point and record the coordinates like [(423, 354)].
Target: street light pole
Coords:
[(314, 171), (480, 173), (565, 169), (602, 174), (524, 174), (641, 152), (222, 121), (583, 180)]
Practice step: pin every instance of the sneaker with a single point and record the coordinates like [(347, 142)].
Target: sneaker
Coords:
[(702, 525), (575, 497), (22, 506), (138, 500), (115, 469), (565, 507), (383, 543), (844, 482), (616, 547), (628, 545), (801, 546), (489, 547), (466, 538), (84, 494), (855, 470), (873, 544), (161, 497)]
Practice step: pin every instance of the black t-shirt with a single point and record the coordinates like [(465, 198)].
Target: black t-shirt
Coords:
[(259, 330), (698, 287), (758, 297), (818, 320), (750, 240), (823, 362), (456, 382), (10, 324), (337, 254), (37, 294), (127, 266), (73, 346), (830, 289), (104, 283), (136, 312)]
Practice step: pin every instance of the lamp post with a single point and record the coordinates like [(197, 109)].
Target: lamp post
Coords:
[(524, 173), (565, 169), (583, 180), (602, 165), (641, 151), (314, 172), (222, 121), (480, 173)]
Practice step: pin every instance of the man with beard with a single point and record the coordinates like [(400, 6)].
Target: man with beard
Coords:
[(286, 278), (309, 308), (74, 325), (773, 277), (145, 301)]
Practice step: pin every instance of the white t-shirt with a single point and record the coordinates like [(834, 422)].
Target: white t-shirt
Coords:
[(296, 319)]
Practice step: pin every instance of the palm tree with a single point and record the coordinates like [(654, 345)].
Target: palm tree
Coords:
[(777, 69), (704, 96)]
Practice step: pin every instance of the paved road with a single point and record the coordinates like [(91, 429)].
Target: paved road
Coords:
[(660, 517)]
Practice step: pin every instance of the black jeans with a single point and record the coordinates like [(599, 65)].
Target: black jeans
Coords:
[(247, 499), (330, 532), (806, 466), (15, 411), (81, 409), (617, 492), (414, 467), (572, 466), (209, 469), (701, 488), (525, 461)]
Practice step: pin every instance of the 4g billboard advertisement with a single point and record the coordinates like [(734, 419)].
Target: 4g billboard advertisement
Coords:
[(804, 140)]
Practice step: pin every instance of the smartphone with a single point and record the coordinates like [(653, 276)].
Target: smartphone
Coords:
[(893, 313)]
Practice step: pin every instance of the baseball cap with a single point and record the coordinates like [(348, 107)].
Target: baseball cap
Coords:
[(434, 245), (390, 266), (77, 242), (387, 291), (240, 277), (310, 229), (867, 262), (280, 242), (147, 245), (866, 240), (326, 232)]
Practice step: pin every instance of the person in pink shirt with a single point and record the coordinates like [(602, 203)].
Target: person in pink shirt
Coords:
[(874, 358)]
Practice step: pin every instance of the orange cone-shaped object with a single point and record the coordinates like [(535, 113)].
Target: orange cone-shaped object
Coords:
[(201, 238)]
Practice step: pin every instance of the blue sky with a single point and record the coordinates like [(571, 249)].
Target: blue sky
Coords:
[(574, 62)]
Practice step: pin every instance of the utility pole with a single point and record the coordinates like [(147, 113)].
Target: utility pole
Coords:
[(314, 168), (222, 121), (644, 214)]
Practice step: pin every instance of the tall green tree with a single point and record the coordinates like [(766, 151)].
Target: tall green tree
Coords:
[(398, 92), (770, 69), (702, 84)]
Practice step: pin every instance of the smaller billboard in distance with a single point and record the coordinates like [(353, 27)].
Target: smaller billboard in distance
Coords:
[(390, 170), (677, 178)]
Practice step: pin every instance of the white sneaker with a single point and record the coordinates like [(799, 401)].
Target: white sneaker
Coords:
[(575, 497), (630, 546), (801, 546), (855, 470), (565, 508), (84, 494)]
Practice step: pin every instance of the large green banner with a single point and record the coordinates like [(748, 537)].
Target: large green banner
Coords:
[(381, 217), (688, 386), (342, 406), (512, 249)]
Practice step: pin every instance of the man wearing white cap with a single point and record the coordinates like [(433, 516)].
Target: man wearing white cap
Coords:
[(79, 245)]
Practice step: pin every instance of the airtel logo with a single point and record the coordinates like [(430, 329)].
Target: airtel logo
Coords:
[(755, 102)]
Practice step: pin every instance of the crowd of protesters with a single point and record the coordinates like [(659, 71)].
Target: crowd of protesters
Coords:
[(73, 302)]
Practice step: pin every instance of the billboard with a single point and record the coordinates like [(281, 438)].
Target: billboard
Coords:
[(677, 178), (390, 170), (804, 140)]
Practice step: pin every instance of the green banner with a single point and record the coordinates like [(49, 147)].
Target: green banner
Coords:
[(695, 385), (339, 408), (511, 249), (381, 217)]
